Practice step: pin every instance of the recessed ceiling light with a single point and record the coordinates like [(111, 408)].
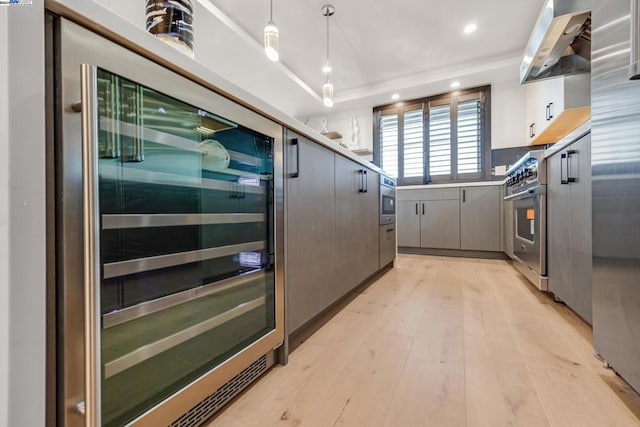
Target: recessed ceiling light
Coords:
[(470, 28), (455, 84), (395, 96)]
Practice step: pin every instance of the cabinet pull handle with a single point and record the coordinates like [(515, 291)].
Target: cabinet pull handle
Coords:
[(569, 177), (361, 188), (389, 230), (550, 107), (296, 143), (423, 209), (565, 158), (464, 195), (634, 67), (546, 112), (416, 209), (366, 181)]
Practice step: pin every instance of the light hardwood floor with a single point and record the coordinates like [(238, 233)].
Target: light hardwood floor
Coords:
[(442, 342)]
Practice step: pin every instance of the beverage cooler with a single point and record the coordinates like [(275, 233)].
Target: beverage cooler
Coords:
[(168, 238)]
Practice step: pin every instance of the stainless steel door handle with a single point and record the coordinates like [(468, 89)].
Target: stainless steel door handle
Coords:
[(91, 219), (634, 67)]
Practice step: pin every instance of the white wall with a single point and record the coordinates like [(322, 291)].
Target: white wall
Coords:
[(22, 216), (4, 222)]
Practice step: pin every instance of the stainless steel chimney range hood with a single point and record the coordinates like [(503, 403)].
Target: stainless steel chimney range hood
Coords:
[(560, 42)]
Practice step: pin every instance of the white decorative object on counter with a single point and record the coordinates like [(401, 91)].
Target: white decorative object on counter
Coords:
[(355, 132), (324, 121)]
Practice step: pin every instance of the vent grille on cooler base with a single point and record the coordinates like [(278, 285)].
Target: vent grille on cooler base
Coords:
[(205, 409)]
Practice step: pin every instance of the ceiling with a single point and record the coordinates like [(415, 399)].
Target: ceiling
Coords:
[(377, 47)]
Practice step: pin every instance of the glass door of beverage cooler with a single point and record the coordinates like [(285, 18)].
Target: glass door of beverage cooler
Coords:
[(179, 222), (185, 243)]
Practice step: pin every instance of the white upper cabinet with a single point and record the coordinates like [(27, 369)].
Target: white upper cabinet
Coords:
[(557, 106)]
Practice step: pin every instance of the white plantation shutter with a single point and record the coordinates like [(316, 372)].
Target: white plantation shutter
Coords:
[(469, 137), (440, 140), (389, 144), (413, 144)]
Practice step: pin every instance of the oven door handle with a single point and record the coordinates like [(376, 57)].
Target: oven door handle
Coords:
[(533, 192)]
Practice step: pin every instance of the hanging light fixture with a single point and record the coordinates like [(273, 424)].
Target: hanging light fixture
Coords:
[(327, 88), (271, 37)]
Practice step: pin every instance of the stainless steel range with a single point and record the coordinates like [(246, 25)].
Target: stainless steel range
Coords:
[(527, 189)]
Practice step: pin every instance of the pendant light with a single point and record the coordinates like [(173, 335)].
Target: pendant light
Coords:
[(327, 88), (271, 37)]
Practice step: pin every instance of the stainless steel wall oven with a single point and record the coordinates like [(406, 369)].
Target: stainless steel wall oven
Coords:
[(169, 239), (387, 200), (526, 188)]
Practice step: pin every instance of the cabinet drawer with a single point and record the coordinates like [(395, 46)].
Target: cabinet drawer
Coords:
[(430, 194)]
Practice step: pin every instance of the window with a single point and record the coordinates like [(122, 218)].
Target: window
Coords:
[(389, 142), (442, 138)]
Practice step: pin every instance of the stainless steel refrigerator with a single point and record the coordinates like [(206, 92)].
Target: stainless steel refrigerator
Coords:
[(616, 186)]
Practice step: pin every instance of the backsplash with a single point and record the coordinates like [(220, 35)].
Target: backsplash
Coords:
[(503, 158)]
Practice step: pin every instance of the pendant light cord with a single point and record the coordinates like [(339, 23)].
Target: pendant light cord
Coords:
[(271, 11), (328, 38)]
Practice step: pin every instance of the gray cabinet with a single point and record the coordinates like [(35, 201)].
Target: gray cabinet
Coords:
[(387, 244), (569, 226), (467, 218), (356, 229), (440, 224), (310, 242), (480, 218), (429, 218), (332, 228), (408, 223)]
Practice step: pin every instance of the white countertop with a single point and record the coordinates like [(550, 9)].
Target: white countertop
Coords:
[(578, 133), (111, 26), (450, 185)]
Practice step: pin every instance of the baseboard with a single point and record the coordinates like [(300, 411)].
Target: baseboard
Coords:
[(453, 253)]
